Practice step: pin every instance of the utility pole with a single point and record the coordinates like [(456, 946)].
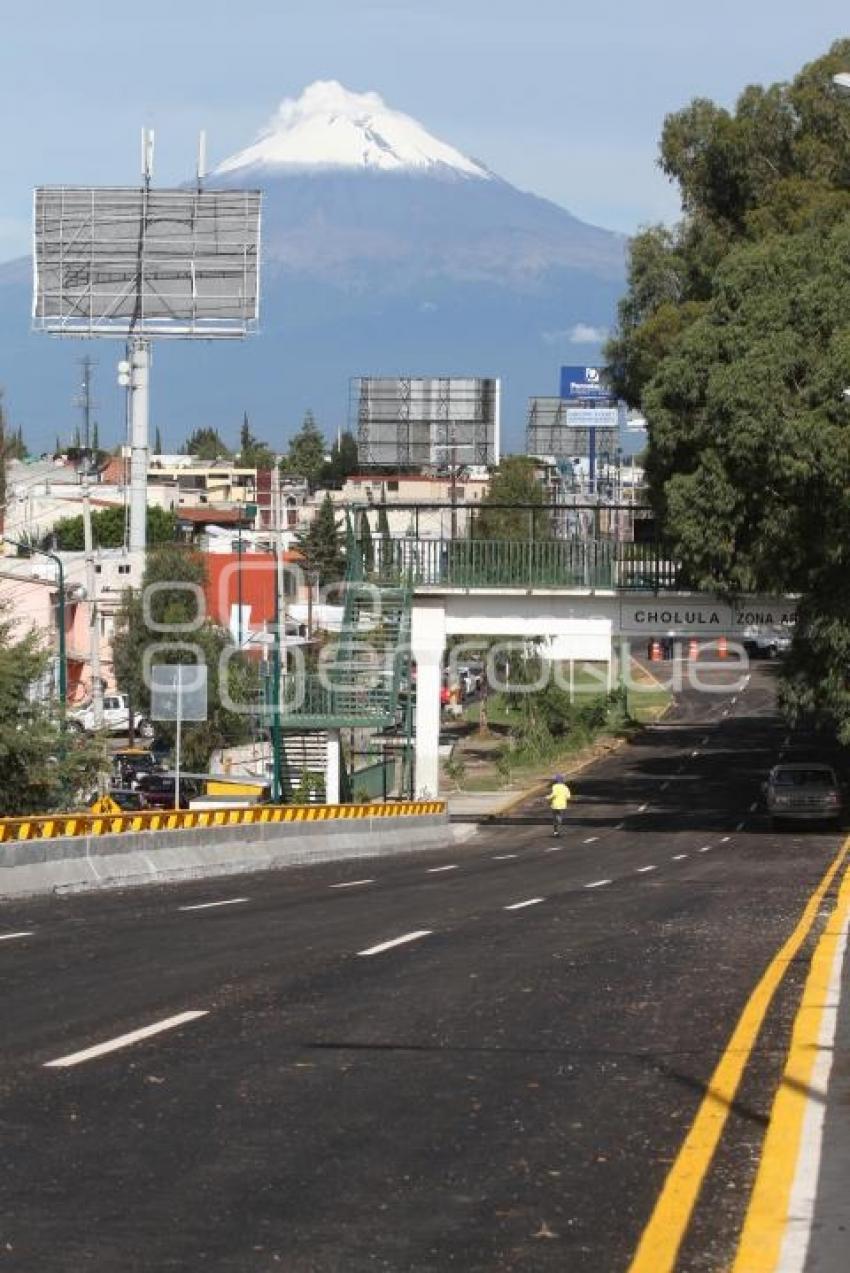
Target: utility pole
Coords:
[(86, 404), (94, 622), (239, 637), (277, 668), (133, 374)]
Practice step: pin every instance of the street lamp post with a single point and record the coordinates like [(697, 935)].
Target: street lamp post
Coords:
[(63, 654), (453, 446)]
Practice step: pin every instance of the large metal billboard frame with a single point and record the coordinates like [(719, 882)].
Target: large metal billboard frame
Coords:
[(137, 262), (550, 431), (425, 421)]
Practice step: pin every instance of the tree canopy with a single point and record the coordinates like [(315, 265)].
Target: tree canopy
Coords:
[(306, 456), (343, 461), (321, 545), (108, 529), (734, 337), (40, 770), (207, 444), (515, 486), (233, 684), (253, 453)]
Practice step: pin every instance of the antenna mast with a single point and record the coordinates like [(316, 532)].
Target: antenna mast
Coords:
[(85, 402)]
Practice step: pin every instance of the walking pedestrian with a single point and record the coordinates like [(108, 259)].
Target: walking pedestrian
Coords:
[(559, 797)]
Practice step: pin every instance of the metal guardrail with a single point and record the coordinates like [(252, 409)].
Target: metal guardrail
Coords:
[(546, 563), (55, 826)]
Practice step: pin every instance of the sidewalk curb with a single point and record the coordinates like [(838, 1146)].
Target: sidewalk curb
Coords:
[(538, 788)]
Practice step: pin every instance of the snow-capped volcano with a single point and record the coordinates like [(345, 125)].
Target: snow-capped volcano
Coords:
[(330, 127), (385, 252)]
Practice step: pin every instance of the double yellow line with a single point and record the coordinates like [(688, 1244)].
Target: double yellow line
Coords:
[(765, 1223)]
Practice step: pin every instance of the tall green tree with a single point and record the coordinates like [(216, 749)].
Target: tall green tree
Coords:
[(384, 536), (171, 607), (343, 460), (253, 453), (364, 538), (40, 769), (513, 506), (321, 545), (306, 456), (207, 445), (734, 337)]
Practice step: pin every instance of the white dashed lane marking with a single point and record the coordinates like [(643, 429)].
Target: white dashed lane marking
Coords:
[(641, 870), (726, 839), (531, 901), (678, 857), (590, 839), (597, 884), (351, 884), (123, 1040), (12, 936), (503, 857), (706, 848), (396, 941), (435, 870), (208, 906)]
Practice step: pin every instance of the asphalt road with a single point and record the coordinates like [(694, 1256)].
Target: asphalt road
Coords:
[(503, 1090)]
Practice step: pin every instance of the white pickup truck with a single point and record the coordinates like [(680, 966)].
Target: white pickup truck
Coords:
[(116, 717)]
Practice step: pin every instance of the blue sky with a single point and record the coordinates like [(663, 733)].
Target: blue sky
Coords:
[(563, 98)]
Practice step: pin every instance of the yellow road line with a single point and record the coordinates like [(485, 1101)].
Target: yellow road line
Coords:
[(663, 1235), (767, 1216)]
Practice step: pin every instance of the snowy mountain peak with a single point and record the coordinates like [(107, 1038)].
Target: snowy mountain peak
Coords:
[(330, 127)]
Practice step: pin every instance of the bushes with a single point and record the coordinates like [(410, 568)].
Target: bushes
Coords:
[(549, 724)]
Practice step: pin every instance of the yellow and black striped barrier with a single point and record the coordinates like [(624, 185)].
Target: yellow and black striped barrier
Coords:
[(57, 825)]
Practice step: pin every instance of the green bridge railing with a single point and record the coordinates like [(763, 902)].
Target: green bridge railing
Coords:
[(556, 563)]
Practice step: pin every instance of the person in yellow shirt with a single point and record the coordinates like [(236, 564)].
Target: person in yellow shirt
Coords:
[(559, 797)]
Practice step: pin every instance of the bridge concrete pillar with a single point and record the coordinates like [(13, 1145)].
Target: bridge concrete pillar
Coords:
[(428, 643), (332, 769)]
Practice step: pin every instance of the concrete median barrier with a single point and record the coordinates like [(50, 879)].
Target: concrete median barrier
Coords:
[(76, 863)]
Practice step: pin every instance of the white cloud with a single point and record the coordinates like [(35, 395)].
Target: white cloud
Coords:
[(578, 334), (587, 334)]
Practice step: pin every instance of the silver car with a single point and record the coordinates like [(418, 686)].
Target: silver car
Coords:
[(803, 791)]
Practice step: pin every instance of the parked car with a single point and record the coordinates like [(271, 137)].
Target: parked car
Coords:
[(116, 717), (802, 791), (158, 791), (767, 646)]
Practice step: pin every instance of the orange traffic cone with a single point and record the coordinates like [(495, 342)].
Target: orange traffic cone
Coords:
[(655, 652), (722, 647), (693, 650)]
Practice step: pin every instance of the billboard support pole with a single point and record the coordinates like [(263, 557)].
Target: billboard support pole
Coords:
[(178, 740), (139, 358)]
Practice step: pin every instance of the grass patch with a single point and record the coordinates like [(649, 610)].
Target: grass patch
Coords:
[(647, 703)]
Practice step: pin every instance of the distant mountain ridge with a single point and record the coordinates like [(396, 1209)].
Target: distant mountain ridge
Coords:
[(385, 251)]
